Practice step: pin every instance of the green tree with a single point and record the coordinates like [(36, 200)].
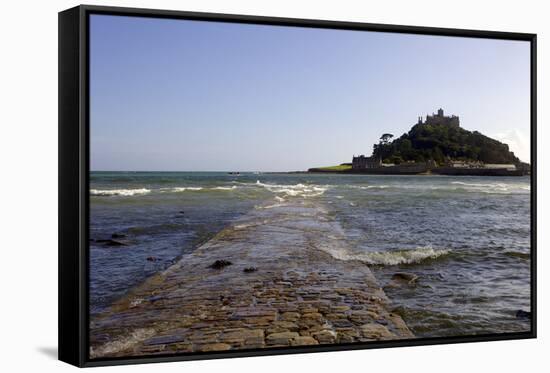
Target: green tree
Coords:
[(385, 138)]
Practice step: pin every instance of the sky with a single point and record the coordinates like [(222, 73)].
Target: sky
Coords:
[(179, 95)]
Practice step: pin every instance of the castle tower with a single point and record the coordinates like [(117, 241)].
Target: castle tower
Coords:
[(440, 112)]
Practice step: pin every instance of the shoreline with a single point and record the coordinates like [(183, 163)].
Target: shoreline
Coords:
[(443, 171), (274, 284)]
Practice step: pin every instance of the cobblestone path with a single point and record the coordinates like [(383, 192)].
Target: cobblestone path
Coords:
[(282, 288)]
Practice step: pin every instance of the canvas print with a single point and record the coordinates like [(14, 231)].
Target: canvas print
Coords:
[(265, 187)]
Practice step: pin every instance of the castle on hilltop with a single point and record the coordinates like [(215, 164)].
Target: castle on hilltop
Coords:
[(440, 118)]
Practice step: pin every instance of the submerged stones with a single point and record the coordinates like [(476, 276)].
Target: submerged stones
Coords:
[(250, 269), (220, 264)]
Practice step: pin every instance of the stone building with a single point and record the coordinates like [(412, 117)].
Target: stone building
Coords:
[(440, 118), (362, 162)]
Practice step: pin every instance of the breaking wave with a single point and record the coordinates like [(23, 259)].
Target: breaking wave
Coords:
[(119, 192), (490, 188), (140, 191), (181, 189), (499, 188), (225, 188), (294, 190), (395, 257), (374, 187)]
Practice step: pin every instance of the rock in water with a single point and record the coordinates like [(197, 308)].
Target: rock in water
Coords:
[(220, 264), (118, 235), (521, 314), (405, 276), (113, 242), (250, 269)]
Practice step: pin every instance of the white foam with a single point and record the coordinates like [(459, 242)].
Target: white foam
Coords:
[(225, 188), (491, 188), (374, 187), (294, 190), (394, 257), (498, 188), (137, 336), (180, 189), (196, 189), (119, 192)]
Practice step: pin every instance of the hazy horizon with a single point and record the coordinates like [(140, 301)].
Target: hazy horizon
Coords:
[(184, 96)]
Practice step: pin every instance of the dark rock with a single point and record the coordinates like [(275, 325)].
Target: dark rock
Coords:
[(181, 212), (118, 235), (225, 301), (405, 276), (521, 314), (152, 259), (220, 264), (155, 298), (111, 242), (250, 269)]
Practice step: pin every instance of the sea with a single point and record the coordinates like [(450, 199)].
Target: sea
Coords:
[(466, 239)]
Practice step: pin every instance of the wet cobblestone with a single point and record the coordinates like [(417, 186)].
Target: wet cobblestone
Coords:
[(298, 295)]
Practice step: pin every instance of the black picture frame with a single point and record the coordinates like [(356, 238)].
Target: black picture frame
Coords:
[(74, 159)]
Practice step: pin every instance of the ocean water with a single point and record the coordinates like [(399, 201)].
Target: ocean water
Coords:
[(466, 238)]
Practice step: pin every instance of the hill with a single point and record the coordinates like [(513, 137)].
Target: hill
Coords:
[(441, 142)]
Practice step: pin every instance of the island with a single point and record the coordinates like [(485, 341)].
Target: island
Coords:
[(435, 145)]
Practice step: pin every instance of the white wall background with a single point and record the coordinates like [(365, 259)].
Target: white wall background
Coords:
[(28, 182)]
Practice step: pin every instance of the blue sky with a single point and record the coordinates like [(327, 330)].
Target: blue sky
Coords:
[(176, 95)]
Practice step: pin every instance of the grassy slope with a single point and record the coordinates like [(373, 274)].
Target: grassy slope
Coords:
[(334, 168)]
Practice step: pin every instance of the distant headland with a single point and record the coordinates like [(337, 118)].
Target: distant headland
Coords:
[(436, 145)]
